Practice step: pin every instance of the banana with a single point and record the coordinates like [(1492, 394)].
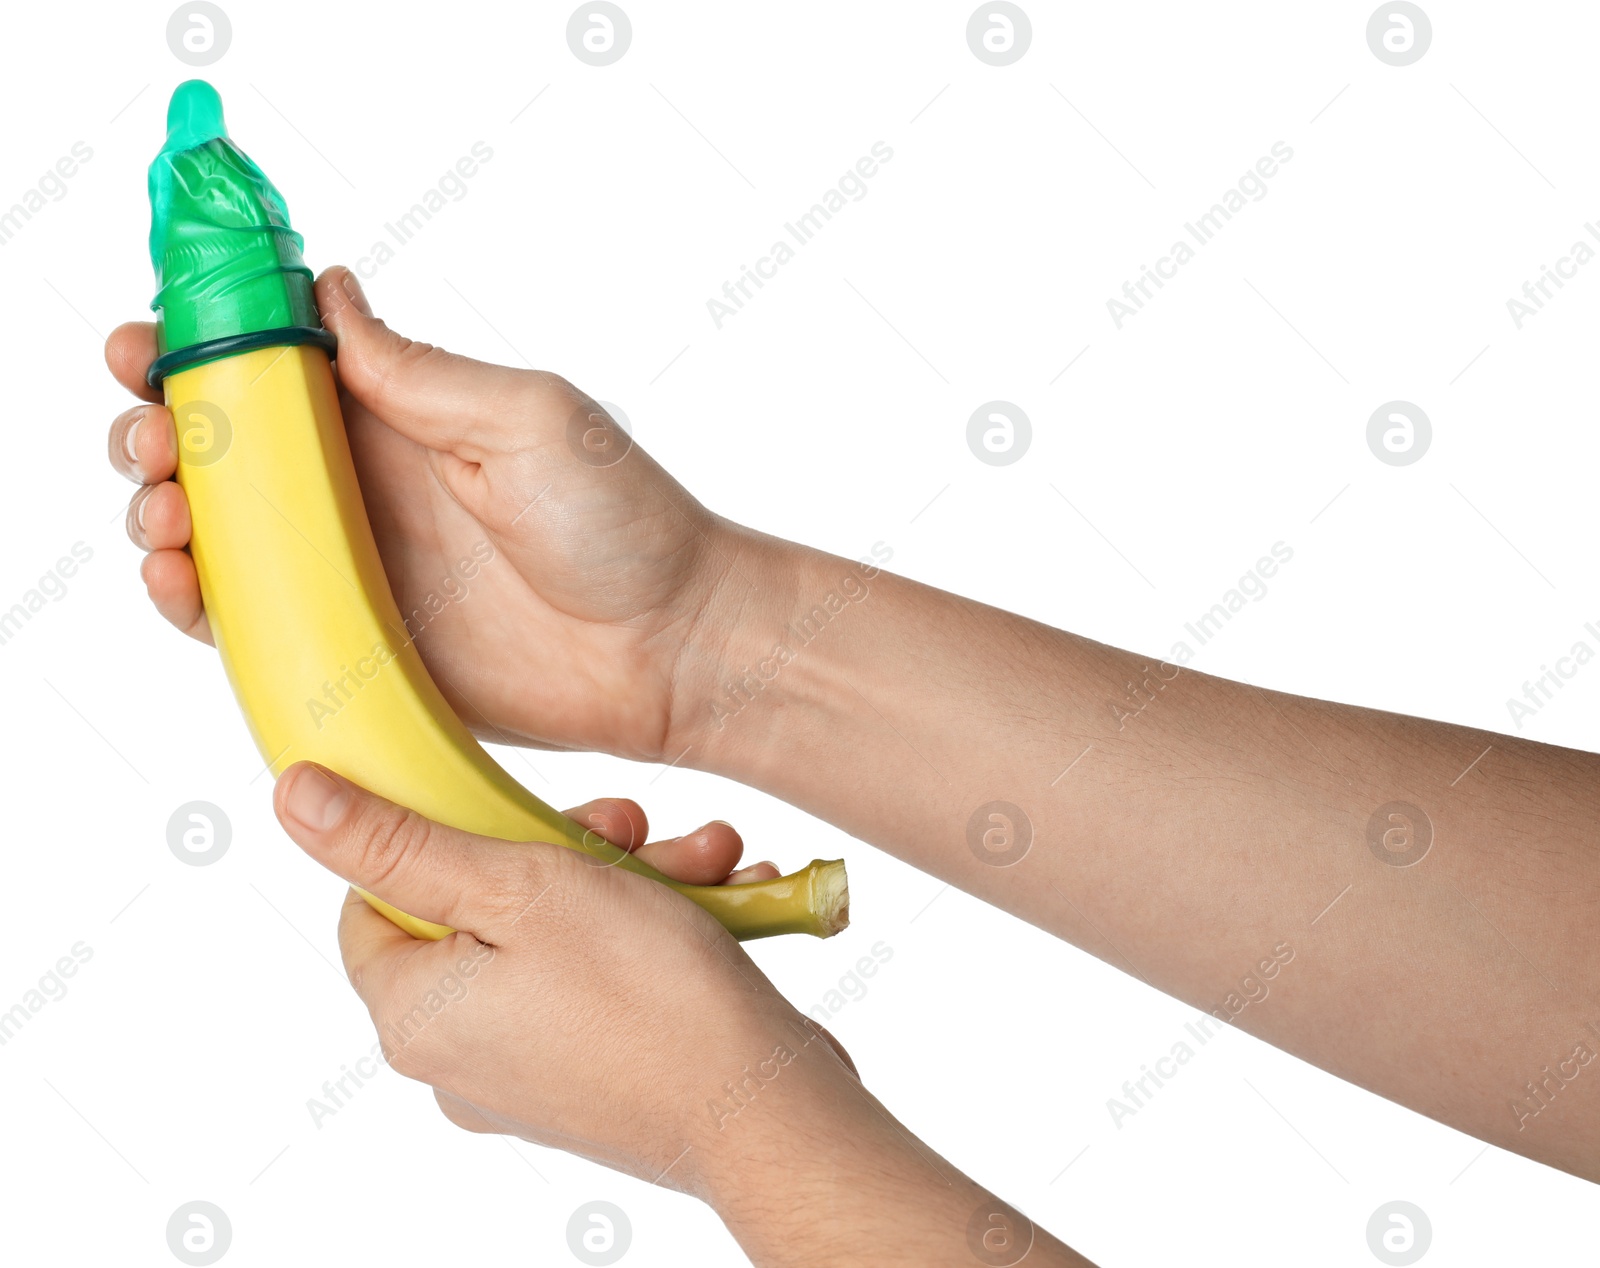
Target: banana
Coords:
[(314, 646)]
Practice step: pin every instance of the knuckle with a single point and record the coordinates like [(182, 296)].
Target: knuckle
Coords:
[(570, 884), (399, 358), (515, 894), (620, 821), (542, 394), (547, 387), (390, 840), (531, 890)]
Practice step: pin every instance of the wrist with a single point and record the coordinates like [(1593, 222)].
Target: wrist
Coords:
[(763, 1099), (759, 656), (789, 1152), (829, 1179), (726, 657)]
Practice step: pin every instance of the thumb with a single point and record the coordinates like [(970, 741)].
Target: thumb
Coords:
[(437, 398), (424, 868)]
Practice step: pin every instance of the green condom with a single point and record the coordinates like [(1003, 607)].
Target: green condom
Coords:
[(229, 274)]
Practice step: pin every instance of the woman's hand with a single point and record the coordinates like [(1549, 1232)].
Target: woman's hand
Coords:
[(585, 1008), (578, 1005), (600, 565)]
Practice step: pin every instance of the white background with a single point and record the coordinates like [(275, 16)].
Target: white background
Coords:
[(1225, 417)]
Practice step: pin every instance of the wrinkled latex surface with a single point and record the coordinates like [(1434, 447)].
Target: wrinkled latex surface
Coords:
[(226, 260)]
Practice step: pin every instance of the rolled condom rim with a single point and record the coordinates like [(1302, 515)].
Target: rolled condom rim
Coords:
[(230, 345)]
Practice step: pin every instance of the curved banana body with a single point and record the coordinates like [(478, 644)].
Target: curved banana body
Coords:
[(315, 647)]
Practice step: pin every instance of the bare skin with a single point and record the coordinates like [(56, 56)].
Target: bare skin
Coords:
[(1196, 832), (1201, 832), (544, 1010)]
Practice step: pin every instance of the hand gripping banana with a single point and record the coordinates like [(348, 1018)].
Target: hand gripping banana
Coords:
[(308, 630)]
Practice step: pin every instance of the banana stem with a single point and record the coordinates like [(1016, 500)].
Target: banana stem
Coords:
[(814, 900)]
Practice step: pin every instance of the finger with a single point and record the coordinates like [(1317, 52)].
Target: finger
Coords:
[(425, 869), (437, 398), (371, 946), (706, 856), (129, 352), (618, 819), (702, 857), (174, 587), (144, 444), (158, 517), (755, 872)]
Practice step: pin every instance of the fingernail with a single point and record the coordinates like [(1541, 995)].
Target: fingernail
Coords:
[(352, 288), (315, 800), (138, 507), (723, 822), (128, 441)]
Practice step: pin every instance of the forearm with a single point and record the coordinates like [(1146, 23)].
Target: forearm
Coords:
[(836, 1182), (1192, 830)]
